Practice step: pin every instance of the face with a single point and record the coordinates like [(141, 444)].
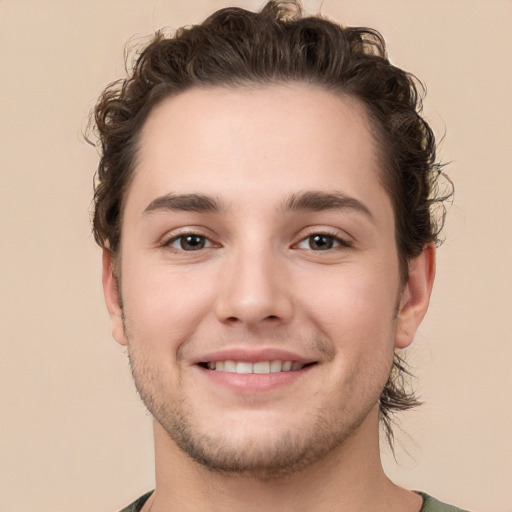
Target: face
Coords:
[(259, 276)]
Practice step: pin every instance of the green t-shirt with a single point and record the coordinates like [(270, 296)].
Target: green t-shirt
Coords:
[(429, 504)]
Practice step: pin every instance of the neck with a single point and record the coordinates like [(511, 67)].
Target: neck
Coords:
[(350, 478)]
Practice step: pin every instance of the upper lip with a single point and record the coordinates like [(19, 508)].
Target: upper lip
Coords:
[(253, 355)]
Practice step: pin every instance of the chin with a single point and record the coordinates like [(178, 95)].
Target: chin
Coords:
[(274, 450), (260, 441)]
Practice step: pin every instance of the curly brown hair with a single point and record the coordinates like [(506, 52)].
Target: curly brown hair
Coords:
[(279, 44)]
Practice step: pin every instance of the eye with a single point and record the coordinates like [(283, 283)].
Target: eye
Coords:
[(190, 242), (321, 242)]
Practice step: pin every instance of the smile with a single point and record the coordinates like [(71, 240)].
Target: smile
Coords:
[(260, 367)]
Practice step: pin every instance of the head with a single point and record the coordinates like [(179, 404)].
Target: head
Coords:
[(236, 50)]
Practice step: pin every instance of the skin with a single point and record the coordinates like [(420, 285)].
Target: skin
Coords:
[(267, 157)]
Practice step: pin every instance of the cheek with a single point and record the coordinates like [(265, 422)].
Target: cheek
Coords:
[(362, 301), (162, 306), (357, 315)]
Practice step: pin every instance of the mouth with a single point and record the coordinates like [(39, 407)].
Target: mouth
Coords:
[(259, 367)]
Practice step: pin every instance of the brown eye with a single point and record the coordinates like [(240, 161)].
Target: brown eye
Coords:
[(320, 242), (190, 242)]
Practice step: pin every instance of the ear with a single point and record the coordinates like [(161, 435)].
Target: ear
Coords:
[(112, 299), (415, 296)]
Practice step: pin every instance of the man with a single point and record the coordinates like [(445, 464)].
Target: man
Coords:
[(263, 202)]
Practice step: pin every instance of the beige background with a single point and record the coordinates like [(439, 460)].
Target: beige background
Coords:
[(73, 435)]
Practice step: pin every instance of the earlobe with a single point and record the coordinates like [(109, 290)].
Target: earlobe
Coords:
[(112, 299), (416, 296)]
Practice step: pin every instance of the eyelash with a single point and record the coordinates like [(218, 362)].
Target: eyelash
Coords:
[(182, 236), (334, 238)]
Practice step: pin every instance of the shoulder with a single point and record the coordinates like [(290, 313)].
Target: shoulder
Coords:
[(137, 505), (432, 505)]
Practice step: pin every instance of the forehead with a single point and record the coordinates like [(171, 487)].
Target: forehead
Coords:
[(258, 141)]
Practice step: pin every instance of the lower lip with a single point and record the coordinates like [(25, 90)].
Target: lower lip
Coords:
[(253, 383)]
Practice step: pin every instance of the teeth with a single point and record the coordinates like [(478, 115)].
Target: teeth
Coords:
[(243, 367), (259, 367), (229, 366), (276, 366)]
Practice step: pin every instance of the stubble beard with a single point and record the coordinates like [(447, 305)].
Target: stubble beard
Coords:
[(267, 459)]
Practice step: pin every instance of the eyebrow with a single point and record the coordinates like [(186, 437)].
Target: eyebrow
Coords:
[(318, 201), (185, 203), (302, 201)]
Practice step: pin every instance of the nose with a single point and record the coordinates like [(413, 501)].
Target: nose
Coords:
[(254, 290)]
